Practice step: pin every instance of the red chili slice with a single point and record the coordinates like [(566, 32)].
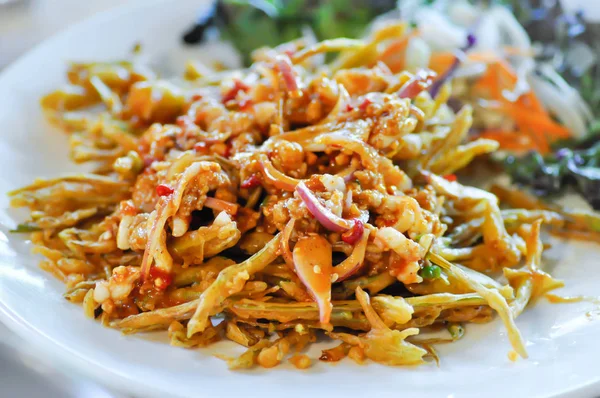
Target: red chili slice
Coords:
[(162, 279), (245, 104), (163, 190), (287, 72), (365, 104), (450, 177), (200, 147), (238, 86), (251, 182), (354, 234)]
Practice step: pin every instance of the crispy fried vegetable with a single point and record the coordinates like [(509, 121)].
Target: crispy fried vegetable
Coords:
[(25, 228), (269, 354), (493, 298), (335, 354), (458, 158), (194, 246), (230, 281), (530, 282), (157, 319), (381, 344), (167, 207), (247, 359), (578, 223), (157, 101), (391, 309), (240, 335), (74, 192), (332, 45), (178, 336), (69, 98), (206, 271)]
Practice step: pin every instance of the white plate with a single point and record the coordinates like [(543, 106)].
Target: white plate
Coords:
[(562, 341)]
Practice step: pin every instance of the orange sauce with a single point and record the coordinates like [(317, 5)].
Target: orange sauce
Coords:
[(554, 299)]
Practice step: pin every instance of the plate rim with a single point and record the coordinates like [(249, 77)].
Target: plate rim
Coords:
[(52, 349)]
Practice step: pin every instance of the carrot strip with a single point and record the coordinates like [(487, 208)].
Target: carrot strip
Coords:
[(510, 140), (393, 56), (535, 133), (530, 100), (506, 72), (538, 120), (528, 113), (540, 139), (442, 61)]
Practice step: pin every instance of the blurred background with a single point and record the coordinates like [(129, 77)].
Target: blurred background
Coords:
[(25, 23)]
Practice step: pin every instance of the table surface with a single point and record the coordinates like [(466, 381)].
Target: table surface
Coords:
[(23, 24)]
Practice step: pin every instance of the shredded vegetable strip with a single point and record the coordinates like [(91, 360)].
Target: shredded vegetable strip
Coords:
[(167, 208), (230, 281), (530, 282), (494, 299)]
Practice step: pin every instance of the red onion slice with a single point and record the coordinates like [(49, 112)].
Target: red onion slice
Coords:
[(419, 82), (354, 261), (325, 216), (284, 65), (221, 205)]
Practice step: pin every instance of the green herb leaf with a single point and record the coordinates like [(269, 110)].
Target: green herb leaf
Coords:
[(25, 228), (431, 272)]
